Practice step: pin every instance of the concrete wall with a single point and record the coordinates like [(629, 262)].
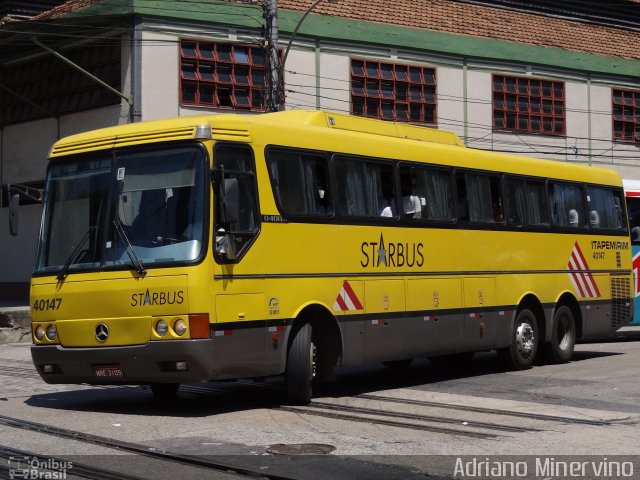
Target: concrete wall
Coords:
[(17, 254)]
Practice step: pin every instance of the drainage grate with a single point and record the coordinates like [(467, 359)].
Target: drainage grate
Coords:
[(300, 449)]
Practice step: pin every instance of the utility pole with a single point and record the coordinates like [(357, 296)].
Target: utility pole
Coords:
[(273, 59)]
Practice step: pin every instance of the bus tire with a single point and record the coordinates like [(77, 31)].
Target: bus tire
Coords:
[(404, 363), (524, 342), (563, 336), (164, 390), (300, 366)]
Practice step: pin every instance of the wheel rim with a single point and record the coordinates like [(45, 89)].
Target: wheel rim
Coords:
[(312, 359), (525, 339), (563, 333)]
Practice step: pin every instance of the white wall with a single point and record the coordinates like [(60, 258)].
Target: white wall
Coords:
[(160, 76), (335, 84), (478, 109), (449, 94)]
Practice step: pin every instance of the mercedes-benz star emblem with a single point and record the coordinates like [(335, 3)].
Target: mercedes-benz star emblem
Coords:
[(102, 332)]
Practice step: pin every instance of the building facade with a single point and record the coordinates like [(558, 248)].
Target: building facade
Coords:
[(557, 80)]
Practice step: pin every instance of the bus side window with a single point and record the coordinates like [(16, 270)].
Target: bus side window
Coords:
[(300, 182), (605, 208), (482, 197), (237, 162), (567, 205), (364, 188)]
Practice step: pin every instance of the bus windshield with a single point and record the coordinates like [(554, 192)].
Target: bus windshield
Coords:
[(123, 210)]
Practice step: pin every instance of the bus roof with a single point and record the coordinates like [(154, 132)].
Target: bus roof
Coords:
[(346, 129)]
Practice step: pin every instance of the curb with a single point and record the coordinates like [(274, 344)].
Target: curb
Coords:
[(15, 325)]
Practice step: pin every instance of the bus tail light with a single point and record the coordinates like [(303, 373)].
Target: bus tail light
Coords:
[(199, 326)]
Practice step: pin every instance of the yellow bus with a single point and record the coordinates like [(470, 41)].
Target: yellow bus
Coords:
[(225, 246)]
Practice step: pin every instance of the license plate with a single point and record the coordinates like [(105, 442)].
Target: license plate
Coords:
[(108, 371)]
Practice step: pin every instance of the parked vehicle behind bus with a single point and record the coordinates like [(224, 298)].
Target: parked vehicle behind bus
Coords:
[(632, 194)]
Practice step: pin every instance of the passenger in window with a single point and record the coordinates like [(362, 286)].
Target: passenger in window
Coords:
[(412, 206), (573, 218), (387, 211), (594, 219), (322, 201)]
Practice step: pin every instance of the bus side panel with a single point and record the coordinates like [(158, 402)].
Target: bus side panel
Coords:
[(597, 315), (384, 336), (353, 335), (434, 322), (240, 338), (480, 324)]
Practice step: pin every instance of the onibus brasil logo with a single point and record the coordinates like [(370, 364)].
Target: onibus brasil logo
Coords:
[(33, 467)]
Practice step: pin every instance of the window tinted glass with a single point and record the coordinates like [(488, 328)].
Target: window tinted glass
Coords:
[(479, 198), (525, 202), (364, 189), (427, 194), (567, 205), (633, 208), (241, 197), (300, 182), (605, 208)]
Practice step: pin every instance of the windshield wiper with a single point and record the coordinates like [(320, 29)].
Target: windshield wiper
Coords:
[(74, 253), (128, 247)]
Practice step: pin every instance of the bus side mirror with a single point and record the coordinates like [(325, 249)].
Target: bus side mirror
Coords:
[(228, 193), (231, 201), (14, 208)]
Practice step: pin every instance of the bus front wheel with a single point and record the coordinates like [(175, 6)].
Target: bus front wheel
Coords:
[(563, 336), (524, 342), (300, 366)]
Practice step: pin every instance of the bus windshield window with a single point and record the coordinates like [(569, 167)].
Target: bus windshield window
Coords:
[(76, 195), (157, 200), (159, 203)]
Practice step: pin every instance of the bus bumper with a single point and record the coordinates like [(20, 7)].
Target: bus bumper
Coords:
[(176, 361)]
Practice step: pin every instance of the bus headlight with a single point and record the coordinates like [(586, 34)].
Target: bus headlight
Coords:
[(51, 332), (180, 326), (39, 333), (162, 328)]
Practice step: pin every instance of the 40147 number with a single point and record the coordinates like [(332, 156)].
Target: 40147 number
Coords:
[(47, 304)]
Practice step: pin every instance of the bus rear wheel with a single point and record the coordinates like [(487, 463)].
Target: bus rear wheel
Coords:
[(563, 336), (524, 342), (300, 366)]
